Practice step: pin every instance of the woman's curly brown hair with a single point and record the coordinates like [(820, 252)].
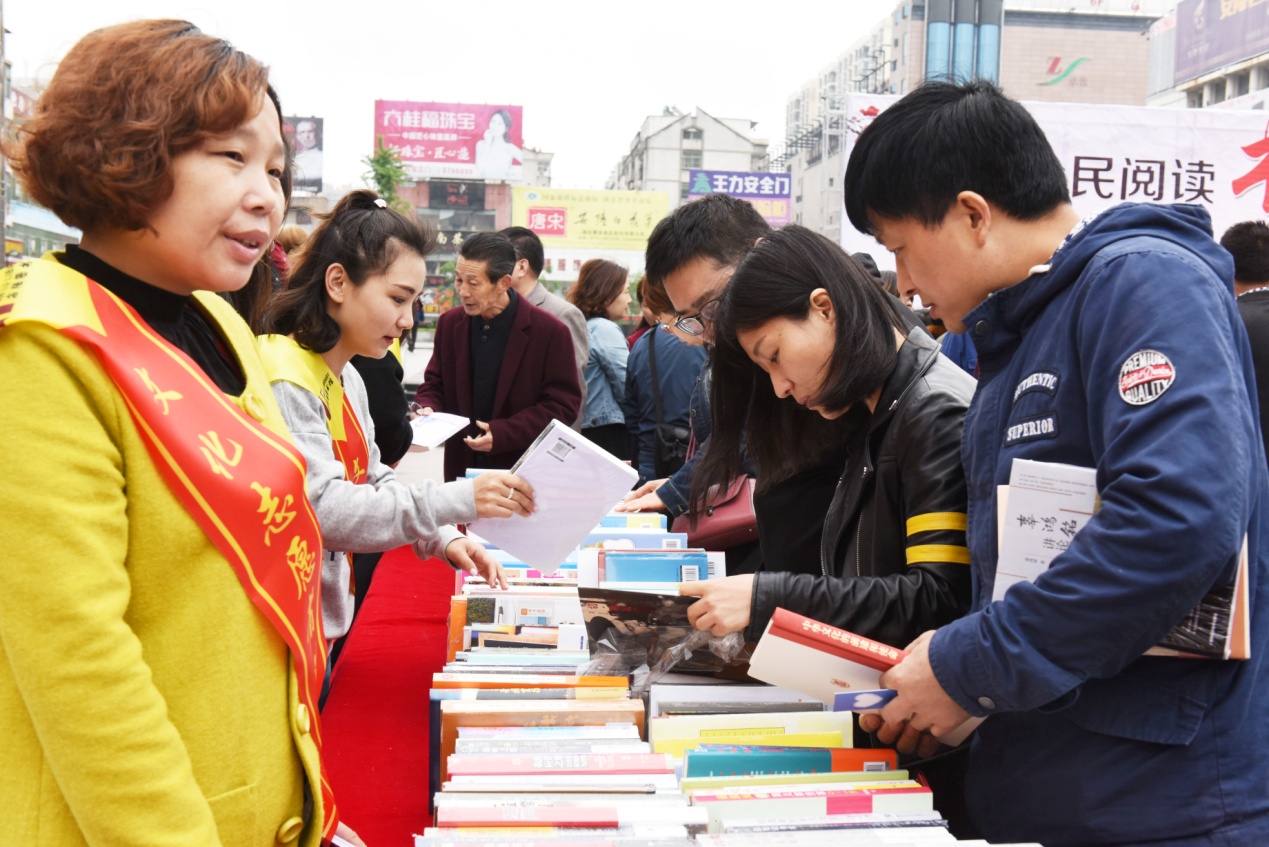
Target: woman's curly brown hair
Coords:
[(124, 102)]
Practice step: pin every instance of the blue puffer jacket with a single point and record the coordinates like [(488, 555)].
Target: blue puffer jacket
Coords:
[(1127, 355)]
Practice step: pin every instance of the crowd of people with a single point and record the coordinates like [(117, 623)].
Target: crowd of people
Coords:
[(205, 412)]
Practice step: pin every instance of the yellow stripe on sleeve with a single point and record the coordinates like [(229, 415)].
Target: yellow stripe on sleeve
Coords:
[(938, 553), (932, 521)]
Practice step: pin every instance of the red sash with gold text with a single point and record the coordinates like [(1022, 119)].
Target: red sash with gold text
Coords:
[(242, 483)]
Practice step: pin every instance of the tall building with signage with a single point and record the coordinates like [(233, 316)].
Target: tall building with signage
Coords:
[(1211, 54), (1047, 50), (669, 146)]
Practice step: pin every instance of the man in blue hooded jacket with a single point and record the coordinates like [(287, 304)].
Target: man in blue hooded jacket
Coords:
[(1111, 343)]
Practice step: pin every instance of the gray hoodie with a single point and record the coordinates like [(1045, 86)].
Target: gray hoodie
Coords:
[(378, 515)]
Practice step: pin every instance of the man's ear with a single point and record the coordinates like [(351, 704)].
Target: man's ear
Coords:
[(977, 214), (504, 283), (337, 283)]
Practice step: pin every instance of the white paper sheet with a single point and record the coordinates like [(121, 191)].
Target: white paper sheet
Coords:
[(431, 431)]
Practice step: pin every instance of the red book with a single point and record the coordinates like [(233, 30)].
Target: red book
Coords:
[(476, 764), (819, 660)]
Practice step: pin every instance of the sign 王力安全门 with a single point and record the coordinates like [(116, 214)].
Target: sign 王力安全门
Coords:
[(769, 193)]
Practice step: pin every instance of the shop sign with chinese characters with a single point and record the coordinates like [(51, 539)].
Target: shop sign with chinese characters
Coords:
[(567, 217)]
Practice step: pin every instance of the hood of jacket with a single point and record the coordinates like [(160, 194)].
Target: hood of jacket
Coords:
[(1011, 310)]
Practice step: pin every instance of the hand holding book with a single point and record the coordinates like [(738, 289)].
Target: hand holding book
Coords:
[(921, 711)]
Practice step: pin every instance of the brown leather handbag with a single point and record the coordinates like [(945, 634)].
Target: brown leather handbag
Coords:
[(728, 521)]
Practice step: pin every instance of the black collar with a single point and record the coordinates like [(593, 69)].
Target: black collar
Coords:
[(155, 305)]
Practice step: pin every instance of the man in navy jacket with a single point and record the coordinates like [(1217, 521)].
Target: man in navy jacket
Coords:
[(1111, 343)]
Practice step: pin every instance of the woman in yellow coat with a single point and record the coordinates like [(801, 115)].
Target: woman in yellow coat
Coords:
[(159, 613)]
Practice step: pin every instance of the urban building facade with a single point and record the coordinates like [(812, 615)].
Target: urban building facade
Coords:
[(1047, 50), (1211, 54), (671, 145)]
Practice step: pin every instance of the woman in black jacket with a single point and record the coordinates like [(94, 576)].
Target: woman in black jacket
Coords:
[(804, 326)]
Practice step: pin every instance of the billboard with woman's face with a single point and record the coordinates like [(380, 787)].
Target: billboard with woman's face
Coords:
[(438, 140)]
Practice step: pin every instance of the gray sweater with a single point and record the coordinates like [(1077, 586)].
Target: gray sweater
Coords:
[(378, 515)]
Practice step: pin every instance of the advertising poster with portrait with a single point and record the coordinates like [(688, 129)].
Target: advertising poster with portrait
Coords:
[(305, 135), (589, 218), (443, 140), (1118, 154)]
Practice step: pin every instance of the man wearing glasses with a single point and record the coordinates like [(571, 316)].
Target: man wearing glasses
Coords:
[(692, 254)]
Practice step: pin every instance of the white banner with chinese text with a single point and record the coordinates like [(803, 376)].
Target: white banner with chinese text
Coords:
[(1115, 154)]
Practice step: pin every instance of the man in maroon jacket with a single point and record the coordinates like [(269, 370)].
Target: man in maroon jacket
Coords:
[(499, 360)]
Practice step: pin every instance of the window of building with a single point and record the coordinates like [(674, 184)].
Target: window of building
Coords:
[(693, 134), (691, 159), (1239, 84), (683, 191)]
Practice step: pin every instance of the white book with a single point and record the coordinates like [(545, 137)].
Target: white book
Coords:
[(505, 733), (722, 693), (881, 837), (536, 832), (431, 431), (554, 746), (820, 822), (546, 782), (458, 799), (575, 483)]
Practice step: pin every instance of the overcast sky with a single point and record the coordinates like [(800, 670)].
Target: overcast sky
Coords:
[(586, 73)]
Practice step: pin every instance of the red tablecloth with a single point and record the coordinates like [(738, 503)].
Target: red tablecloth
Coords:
[(376, 717)]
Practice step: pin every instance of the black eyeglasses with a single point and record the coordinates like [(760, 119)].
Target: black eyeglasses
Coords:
[(695, 324)]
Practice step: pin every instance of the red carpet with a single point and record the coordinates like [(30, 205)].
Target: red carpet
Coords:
[(375, 720)]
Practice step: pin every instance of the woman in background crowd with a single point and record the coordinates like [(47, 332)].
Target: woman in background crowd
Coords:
[(602, 293), (351, 293), (158, 542), (678, 367)]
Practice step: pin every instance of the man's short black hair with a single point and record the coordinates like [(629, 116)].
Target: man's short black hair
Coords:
[(716, 226), (1248, 243), (915, 158), (493, 248), (528, 246)]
